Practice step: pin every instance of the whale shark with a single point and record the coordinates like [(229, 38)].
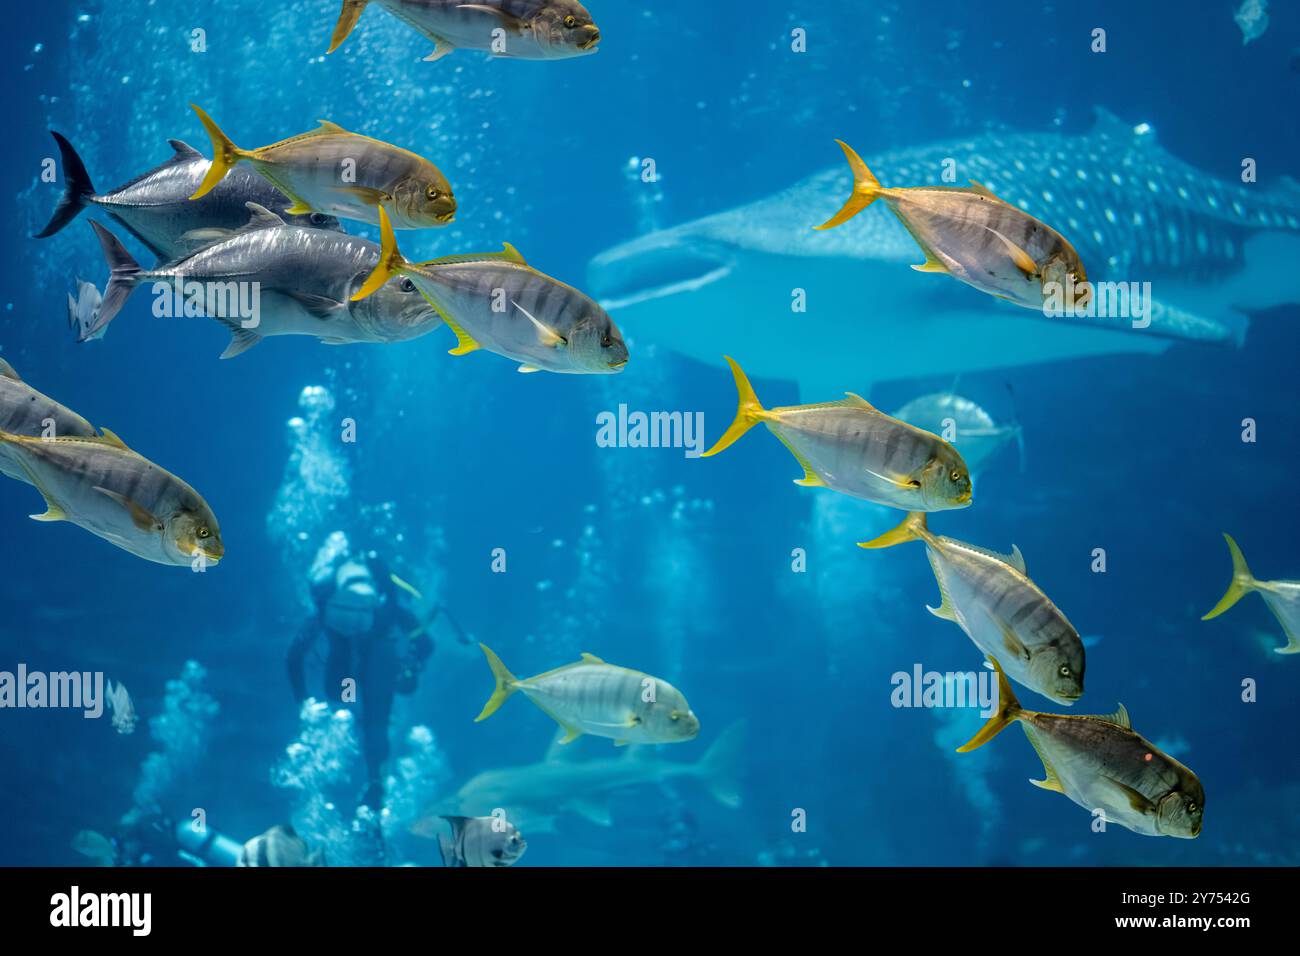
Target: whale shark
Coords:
[(1212, 250)]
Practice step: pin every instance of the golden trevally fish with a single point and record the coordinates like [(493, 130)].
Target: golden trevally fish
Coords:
[(24, 411), (530, 29), (992, 599), (851, 447), (977, 238), (1101, 763), (329, 170), (1282, 598), (498, 302), (592, 697), (103, 486)]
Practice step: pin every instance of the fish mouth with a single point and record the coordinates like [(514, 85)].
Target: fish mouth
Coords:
[(657, 266), (618, 366), (589, 45), (445, 217)]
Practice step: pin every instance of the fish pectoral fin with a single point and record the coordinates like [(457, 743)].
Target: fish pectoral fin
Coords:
[(440, 49), (549, 337), (1126, 794), (509, 21), (1022, 260), (141, 516), (465, 342), (366, 195), (241, 340), (594, 812), (320, 306), (1011, 642)]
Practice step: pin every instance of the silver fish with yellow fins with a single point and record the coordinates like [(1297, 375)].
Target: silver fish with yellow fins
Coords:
[(307, 168), (101, 485), (1282, 598), (851, 447), (992, 599), (527, 29), (498, 302), (977, 238), (1101, 763), (604, 700), (24, 411)]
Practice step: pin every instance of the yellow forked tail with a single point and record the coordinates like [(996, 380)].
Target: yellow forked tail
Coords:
[(348, 18), (1008, 709), (748, 412), (911, 528), (866, 189), (505, 684), (1242, 583), (225, 154), (390, 259)]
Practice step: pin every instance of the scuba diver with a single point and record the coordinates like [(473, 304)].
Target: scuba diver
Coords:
[(372, 648)]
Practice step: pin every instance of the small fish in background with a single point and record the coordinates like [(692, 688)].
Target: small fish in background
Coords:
[(1282, 598), (1252, 18), (279, 846), (991, 597), (851, 447), (498, 302), (481, 841), (1102, 763), (95, 846), (975, 237), (975, 432), (101, 485), (592, 697), (83, 312), (307, 168), (24, 411), (124, 718), (531, 29), (156, 207)]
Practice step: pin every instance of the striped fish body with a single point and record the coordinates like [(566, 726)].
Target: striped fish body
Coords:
[(305, 280), (279, 846), (531, 29), (481, 841), (156, 208), (111, 491), (592, 697), (509, 308), (1102, 763), (345, 174), (24, 411), (1008, 617), (853, 448), (971, 234)]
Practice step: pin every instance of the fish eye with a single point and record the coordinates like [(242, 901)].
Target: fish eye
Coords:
[(498, 853), (434, 193), (675, 715), (570, 21), (1191, 808), (607, 340), (956, 475), (318, 219), (407, 285), (1065, 670), (203, 532)]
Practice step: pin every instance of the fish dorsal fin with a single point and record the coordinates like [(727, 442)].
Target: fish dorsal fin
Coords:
[(184, 151), (1106, 123), (590, 658), (261, 218), (980, 189), (327, 127), (1015, 559), (7, 371), (508, 254), (854, 400), (1120, 717), (110, 438), (1050, 781)]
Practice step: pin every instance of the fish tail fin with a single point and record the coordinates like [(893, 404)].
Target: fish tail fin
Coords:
[(390, 259), (76, 192), (225, 154), (911, 528), (348, 17), (719, 767), (122, 278), (1242, 583), (866, 189), (506, 684), (749, 411), (1008, 710)]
